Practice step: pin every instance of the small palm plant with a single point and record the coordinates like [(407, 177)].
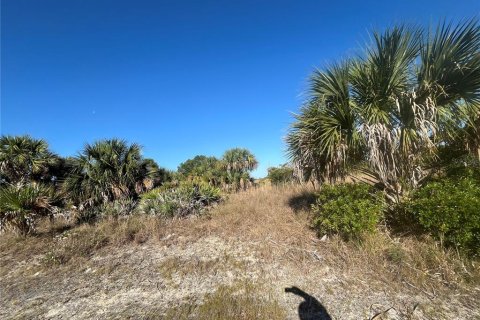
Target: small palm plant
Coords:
[(22, 204)]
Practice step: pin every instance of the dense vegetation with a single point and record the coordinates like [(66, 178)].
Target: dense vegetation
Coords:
[(449, 207), (108, 179), (349, 210), (403, 116), (400, 115), (281, 175), (231, 172), (188, 198), (389, 110)]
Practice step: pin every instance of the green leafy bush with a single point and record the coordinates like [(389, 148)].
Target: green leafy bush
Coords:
[(347, 209), (279, 175), (449, 208), (186, 199)]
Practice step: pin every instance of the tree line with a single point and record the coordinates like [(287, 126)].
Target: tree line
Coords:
[(36, 182)]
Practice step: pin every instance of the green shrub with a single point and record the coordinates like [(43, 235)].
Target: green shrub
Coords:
[(280, 175), (395, 253), (349, 210), (449, 208), (186, 199), (458, 164), (153, 194)]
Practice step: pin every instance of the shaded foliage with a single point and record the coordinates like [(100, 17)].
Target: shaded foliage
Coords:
[(449, 208), (302, 201), (158, 174)]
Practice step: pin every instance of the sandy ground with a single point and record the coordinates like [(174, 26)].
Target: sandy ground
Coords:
[(141, 281), (144, 281)]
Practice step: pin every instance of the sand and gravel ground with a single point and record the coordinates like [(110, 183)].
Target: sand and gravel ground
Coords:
[(257, 244)]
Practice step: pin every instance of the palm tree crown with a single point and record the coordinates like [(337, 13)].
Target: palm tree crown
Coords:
[(238, 162), (23, 158), (108, 170), (391, 107)]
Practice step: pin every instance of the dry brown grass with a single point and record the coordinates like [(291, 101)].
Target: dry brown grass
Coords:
[(242, 300), (254, 215), (274, 221), (61, 243), (274, 218), (258, 215), (198, 266)]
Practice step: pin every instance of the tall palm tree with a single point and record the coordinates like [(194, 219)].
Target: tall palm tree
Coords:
[(390, 108), (23, 159), (108, 170), (238, 162), (239, 159), (324, 134)]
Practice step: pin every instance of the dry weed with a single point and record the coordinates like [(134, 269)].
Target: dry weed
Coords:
[(243, 301), (273, 224)]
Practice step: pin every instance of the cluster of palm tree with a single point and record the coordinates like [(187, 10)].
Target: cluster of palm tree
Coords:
[(35, 182), (25, 159), (108, 170), (28, 173), (231, 172), (389, 110), (204, 168)]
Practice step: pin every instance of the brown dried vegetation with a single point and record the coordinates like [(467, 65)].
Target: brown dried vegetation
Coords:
[(234, 261)]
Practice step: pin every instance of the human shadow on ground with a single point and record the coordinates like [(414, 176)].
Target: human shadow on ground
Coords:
[(302, 201), (310, 308)]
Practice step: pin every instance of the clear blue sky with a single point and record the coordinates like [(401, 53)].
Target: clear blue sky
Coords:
[(180, 77)]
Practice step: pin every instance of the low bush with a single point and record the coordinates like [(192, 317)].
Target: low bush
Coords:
[(113, 209), (117, 208), (21, 205), (449, 209), (186, 199), (349, 210)]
